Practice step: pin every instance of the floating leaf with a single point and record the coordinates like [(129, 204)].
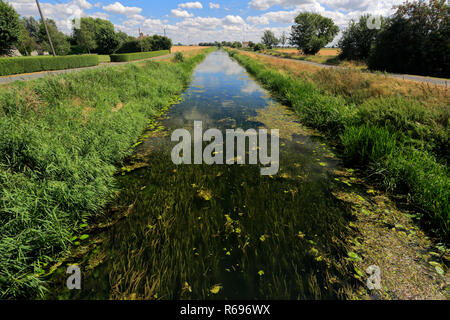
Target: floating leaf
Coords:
[(261, 273)]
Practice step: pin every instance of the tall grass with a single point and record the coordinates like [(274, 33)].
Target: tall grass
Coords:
[(60, 139), (398, 140)]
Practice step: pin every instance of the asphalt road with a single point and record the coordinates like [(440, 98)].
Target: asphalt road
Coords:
[(36, 75), (434, 81)]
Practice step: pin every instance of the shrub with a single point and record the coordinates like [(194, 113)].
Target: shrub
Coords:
[(259, 47), (16, 65), (137, 56), (179, 57)]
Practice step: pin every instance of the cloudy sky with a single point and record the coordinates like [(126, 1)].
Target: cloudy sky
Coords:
[(203, 21)]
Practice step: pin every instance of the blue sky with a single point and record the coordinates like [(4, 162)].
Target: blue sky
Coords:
[(203, 21)]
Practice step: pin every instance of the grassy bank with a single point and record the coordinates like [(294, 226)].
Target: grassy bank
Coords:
[(60, 139), (401, 143)]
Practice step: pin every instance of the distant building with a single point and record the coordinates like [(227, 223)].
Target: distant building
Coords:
[(245, 44)]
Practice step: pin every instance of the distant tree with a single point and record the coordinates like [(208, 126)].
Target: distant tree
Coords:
[(358, 39), (312, 32), (251, 44), (259, 47), (10, 28), (269, 39), (59, 39), (236, 45), (415, 40), (283, 39), (85, 35)]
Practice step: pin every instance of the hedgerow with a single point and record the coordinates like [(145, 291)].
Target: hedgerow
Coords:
[(17, 65)]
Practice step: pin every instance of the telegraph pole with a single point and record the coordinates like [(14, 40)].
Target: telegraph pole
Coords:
[(46, 29)]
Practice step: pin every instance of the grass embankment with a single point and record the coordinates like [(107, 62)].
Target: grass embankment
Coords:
[(17, 65), (60, 138), (401, 142)]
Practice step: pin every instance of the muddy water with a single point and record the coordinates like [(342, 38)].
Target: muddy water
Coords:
[(222, 232)]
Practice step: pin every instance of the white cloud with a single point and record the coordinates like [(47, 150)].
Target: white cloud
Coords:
[(181, 13), (214, 5), (233, 20), (191, 5), (119, 8)]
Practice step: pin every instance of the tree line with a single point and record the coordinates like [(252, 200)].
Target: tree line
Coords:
[(415, 39), (93, 36)]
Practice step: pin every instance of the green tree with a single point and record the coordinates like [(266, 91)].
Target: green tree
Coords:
[(312, 32), (9, 26), (415, 40), (59, 39), (106, 38), (26, 44), (358, 39), (236, 45), (269, 39), (85, 36), (32, 26)]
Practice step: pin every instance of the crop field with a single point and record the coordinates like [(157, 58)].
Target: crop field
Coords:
[(328, 52)]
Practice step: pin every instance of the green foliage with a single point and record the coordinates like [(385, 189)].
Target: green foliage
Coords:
[(237, 45), (179, 57), (312, 32), (85, 35), (9, 26), (153, 43), (415, 40), (32, 27), (26, 43), (106, 38), (18, 65), (269, 39), (259, 47), (357, 40), (125, 57), (59, 39), (130, 46), (59, 143), (367, 144), (396, 139)]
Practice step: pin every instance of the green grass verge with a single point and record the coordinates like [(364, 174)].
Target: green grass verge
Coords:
[(60, 139), (17, 65), (402, 144), (126, 57)]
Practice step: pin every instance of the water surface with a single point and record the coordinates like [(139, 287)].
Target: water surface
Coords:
[(223, 232)]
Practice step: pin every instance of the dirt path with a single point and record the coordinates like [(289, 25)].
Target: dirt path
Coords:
[(430, 80), (37, 75)]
